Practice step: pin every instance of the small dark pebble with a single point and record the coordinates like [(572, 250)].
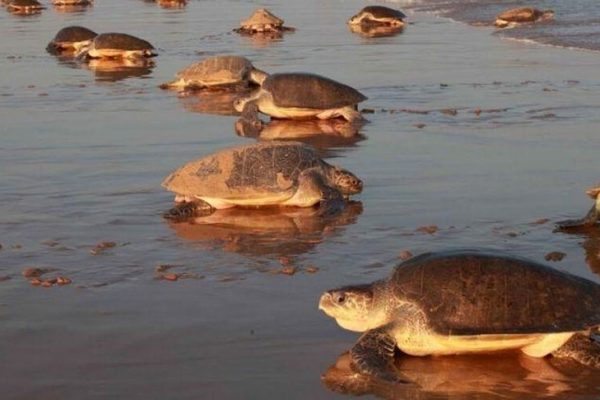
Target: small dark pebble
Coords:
[(449, 111), (368, 111), (555, 256), (420, 125), (163, 268), (444, 85)]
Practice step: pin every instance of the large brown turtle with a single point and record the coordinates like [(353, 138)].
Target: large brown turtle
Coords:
[(590, 219), (302, 95), (217, 72), (262, 21), (262, 174), (71, 39), (468, 302), (117, 45), (516, 16), (379, 15)]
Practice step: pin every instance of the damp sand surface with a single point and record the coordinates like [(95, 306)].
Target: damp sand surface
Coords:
[(474, 142)]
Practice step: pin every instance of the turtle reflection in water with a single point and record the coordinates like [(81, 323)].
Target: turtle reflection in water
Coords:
[(113, 70), (211, 101), (375, 31), (462, 302), (277, 173), (591, 218), (322, 134), (266, 231), (484, 376)]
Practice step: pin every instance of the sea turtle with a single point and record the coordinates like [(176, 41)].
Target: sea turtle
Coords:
[(378, 15), (217, 72), (591, 218), (262, 21), (302, 95), (71, 39), (24, 6), (261, 174), (468, 302), (172, 3), (72, 2), (117, 45), (515, 16)]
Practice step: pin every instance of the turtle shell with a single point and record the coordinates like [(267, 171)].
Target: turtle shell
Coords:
[(217, 70), (25, 3), (262, 16), (72, 34), (383, 12), (474, 293), (120, 41), (526, 14), (310, 91), (259, 171)]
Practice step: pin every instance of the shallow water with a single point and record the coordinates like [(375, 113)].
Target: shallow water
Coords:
[(82, 155), (576, 23)]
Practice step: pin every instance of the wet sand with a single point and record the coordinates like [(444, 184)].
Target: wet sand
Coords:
[(82, 156)]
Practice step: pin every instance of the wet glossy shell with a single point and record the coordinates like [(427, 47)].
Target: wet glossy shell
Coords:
[(217, 70), (25, 3), (120, 41), (245, 172), (471, 293), (73, 34), (262, 16), (310, 91), (520, 15), (383, 12)]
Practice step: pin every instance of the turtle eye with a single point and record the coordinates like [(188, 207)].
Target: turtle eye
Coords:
[(339, 298)]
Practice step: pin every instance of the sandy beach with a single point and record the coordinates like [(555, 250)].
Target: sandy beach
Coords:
[(490, 140)]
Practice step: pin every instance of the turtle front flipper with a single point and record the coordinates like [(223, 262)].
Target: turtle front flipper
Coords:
[(581, 348), (186, 210), (373, 355), (590, 219)]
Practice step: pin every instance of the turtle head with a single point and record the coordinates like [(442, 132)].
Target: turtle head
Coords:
[(354, 307), (345, 181), (547, 14), (356, 19)]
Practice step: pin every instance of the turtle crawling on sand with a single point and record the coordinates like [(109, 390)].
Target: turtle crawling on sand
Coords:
[(301, 96), (24, 6), (511, 18), (117, 45), (468, 302), (262, 21), (378, 15), (71, 39), (217, 72), (590, 219), (263, 174)]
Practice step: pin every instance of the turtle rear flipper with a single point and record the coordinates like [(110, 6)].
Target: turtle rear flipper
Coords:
[(581, 348), (373, 355), (590, 219)]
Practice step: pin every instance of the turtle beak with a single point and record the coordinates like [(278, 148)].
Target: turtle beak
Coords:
[(325, 302)]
